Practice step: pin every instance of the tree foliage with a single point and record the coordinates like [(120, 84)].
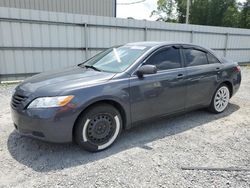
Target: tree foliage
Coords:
[(226, 13), (245, 15), (165, 10)]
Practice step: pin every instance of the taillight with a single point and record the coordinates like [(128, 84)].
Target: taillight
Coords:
[(236, 69)]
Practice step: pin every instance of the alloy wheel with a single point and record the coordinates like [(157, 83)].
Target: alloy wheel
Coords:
[(221, 99)]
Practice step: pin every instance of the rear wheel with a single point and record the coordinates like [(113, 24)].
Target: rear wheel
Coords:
[(220, 99), (98, 127)]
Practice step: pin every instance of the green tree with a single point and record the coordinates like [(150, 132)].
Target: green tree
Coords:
[(202, 12), (231, 17), (165, 10), (245, 15), (223, 13), (181, 10), (199, 12)]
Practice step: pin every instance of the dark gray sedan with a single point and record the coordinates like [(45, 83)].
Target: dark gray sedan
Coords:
[(93, 102)]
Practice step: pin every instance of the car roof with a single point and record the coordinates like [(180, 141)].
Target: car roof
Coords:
[(147, 43), (162, 43), (156, 43)]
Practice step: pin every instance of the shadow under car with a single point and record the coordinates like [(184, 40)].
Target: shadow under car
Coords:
[(43, 157)]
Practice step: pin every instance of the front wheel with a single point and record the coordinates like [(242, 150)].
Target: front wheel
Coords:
[(98, 127), (220, 99)]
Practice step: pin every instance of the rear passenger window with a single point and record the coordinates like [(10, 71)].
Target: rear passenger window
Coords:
[(212, 59), (167, 58), (195, 57)]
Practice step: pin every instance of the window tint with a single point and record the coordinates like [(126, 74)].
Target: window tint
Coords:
[(212, 59), (168, 58), (195, 57)]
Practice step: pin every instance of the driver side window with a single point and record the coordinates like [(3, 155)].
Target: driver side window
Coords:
[(164, 59)]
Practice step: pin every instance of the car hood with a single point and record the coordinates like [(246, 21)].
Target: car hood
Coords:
[(58, 81)]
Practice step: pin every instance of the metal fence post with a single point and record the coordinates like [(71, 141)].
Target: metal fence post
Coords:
[(86, 41), (192, 36), (145, 33), (226, 44)]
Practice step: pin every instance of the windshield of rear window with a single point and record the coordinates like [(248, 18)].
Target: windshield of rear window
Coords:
[(116, 59)]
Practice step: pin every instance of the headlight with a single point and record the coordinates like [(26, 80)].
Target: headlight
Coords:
[(47, 102)]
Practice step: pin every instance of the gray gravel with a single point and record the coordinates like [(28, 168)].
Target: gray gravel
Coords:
[(151, 155)]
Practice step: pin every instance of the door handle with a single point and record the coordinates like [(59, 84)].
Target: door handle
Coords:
[(218, 68), (180, 76)]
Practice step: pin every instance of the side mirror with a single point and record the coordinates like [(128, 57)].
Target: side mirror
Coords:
[(146, 69)]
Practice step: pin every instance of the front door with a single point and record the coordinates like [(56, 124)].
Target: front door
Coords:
[(161, 93)]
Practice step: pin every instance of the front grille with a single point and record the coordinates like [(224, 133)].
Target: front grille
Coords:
[(17, 99)]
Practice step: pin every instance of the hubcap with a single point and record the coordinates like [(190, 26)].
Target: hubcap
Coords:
[(100, 128), (221, 99)]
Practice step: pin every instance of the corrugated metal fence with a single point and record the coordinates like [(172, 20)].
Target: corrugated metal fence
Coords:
[(89, 7), (34, 41)]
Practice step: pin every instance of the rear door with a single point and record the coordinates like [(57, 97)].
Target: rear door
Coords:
[(202, 76), (160, 93)]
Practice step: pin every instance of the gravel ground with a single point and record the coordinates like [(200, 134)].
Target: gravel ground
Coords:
[(150, 155)]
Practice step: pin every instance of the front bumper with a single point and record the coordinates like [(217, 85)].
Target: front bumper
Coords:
[(53, 124)]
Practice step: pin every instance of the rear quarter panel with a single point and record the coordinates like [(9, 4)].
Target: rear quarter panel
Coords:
[(229, 74)]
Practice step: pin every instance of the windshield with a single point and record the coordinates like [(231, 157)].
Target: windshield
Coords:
[(116, 59)]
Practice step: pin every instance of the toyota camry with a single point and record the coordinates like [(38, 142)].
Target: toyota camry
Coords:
[(92, 103)]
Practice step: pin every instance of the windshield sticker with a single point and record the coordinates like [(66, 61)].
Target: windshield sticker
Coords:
[(138, 47)]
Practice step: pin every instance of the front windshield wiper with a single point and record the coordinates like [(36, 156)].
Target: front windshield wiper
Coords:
[(92, 67)]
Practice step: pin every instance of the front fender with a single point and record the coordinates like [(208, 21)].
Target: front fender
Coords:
[(117, 92)]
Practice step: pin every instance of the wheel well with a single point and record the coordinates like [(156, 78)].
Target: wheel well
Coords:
[(111, 102), (230, 87)]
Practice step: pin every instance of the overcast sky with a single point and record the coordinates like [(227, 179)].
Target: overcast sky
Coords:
[(140, 10)]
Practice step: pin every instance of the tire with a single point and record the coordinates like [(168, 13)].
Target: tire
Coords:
[(220, 99), (98, 127)]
